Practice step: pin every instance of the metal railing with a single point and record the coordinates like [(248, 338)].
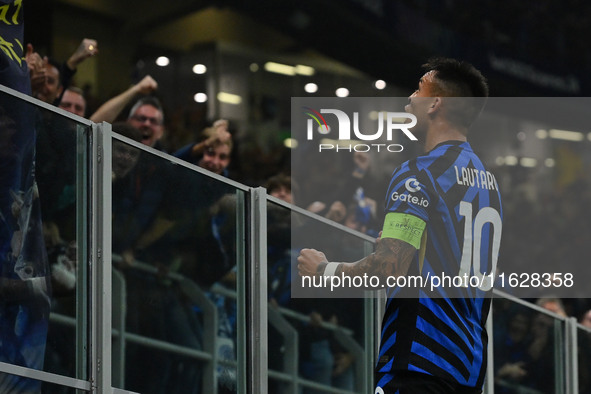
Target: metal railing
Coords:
[(565, 340), (103, 335), (278, 317)]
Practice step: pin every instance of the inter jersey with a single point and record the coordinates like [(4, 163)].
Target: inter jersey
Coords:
[(436, 325)]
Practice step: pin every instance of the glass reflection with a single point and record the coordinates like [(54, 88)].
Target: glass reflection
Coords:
[(328, 331), (524, 349), (174, 242), (41, 177)]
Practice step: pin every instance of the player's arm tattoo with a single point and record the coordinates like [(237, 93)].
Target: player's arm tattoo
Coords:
[(391, 258)]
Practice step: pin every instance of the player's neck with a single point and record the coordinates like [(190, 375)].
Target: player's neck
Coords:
[(442, 132)]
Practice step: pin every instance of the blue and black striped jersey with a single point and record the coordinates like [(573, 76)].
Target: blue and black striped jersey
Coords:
[(437, 325)]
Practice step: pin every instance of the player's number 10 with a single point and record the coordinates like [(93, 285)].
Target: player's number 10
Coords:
[(472, 243)]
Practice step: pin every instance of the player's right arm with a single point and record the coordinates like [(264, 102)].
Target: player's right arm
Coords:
[(392, 258), (401, 238)]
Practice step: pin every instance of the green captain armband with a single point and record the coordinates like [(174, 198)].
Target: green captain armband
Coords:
[(405, 227)]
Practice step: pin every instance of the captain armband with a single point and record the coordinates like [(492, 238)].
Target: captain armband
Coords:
[(405, 227)]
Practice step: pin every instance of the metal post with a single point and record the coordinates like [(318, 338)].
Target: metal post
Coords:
[(370, 338), (84, 160), (489, 382), (380, 307), (100, 260), (559, 355), (241, 285), (571, 355), (257, 293)]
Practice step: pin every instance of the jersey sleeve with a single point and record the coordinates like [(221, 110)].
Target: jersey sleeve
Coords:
[(406, 206), (408, 195)]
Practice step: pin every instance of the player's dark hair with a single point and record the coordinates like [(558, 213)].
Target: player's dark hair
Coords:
[(456, 78)]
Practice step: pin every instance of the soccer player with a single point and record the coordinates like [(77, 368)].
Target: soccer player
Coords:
[(443, 217)]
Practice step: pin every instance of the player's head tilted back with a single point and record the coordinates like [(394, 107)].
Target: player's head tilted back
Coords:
[(460, 79), (456, 78)]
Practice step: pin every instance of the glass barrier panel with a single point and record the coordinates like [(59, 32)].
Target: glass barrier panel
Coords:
[(524, 349), (282, 340), (43, 240), (174, 276), (324, 332)]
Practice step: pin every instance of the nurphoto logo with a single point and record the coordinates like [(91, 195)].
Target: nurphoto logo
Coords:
[(387, 122)]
